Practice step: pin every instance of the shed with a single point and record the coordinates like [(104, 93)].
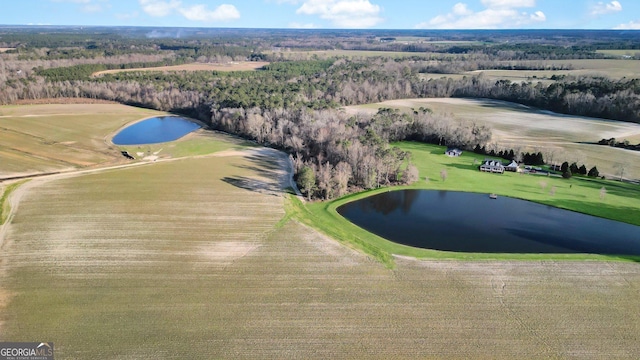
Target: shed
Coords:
[(453, 152)]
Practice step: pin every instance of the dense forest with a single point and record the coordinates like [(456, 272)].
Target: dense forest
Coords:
[(295, 105)]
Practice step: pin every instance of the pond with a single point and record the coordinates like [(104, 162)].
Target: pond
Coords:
[(155, 130), (469, 222)]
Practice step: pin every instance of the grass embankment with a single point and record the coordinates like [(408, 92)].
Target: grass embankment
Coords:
[(621, 202), (201, 142), (5, 207)]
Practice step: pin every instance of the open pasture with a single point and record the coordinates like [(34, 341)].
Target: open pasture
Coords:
[(44, 138), (187, 259), (612, 68), (326, 54), (619, 52), (565, 137), (234, 66)]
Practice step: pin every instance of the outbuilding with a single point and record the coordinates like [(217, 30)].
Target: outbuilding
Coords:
[(453, 152), (513, 166)]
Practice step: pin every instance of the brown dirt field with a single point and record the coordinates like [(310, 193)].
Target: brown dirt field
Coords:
[(236, 66)]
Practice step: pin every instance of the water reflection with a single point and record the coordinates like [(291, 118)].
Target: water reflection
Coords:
[(155, 130), (467, 222)]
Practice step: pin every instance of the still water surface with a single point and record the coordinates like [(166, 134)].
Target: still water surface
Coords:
[(155, 130), (468, 222)]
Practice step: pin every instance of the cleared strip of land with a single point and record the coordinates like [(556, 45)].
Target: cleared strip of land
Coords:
[(613, 68), (186, 259), (234, 66), (519, 126)]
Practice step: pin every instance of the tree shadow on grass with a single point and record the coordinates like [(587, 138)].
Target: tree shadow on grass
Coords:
[(269, 168), (254, 185)]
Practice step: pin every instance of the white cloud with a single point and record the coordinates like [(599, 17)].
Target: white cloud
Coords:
[(508, 4), (224, 12), (497, 14), (159, 8), (200, 12), (631, 25), (127, 16), (602, 9), (92, 8), (88, 6), (461, 9), (343, 13)]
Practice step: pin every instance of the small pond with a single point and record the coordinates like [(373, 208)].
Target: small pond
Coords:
[(155, 130), (468, 222)]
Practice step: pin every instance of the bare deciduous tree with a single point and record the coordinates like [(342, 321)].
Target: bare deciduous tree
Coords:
[(620, 169), (411, 174), (443, 174), (543, 185)]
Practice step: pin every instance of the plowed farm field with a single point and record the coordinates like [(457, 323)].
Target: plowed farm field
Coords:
[(189, 259)]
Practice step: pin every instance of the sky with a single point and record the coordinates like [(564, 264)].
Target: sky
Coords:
[(329, 14)]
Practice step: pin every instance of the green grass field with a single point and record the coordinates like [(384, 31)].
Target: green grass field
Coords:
[(621, 203), (565, 138)]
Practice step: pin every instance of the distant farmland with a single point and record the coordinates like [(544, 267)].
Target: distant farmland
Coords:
[(514, 125), (235, 66)]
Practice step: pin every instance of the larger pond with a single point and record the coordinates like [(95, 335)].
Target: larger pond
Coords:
[(468, 222), (155, 130)]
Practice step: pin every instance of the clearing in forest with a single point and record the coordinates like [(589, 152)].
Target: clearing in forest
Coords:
[(559, 137), (232, 66)]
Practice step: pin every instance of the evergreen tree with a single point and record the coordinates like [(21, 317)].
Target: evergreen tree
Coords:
[(573, 168), (307, 181), (593, 172), (582, 170)]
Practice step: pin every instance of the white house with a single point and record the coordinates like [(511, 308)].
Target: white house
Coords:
[(492, 166)]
